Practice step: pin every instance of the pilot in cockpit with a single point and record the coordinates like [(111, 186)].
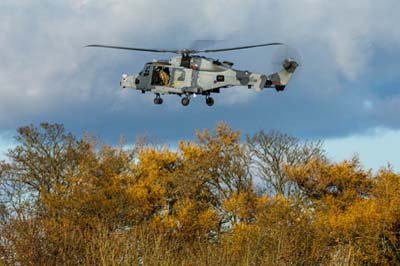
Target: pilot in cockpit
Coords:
[(164, 76)]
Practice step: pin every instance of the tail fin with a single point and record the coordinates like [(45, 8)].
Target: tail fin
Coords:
[(280, 79)]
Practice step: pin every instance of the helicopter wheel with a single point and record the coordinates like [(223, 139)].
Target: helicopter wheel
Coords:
[(209, 101), (158, 100), (185, 101)]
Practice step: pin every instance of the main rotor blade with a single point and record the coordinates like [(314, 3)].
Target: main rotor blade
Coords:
[(239, 48), (133, 48), (203, 44)]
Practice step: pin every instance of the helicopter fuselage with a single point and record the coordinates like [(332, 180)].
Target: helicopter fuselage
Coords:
[(190, 74), (187, 75)]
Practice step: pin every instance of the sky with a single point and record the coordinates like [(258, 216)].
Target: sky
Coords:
[(346, 92)]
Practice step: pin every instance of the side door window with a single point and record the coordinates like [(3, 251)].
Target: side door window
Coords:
[(179, 75)]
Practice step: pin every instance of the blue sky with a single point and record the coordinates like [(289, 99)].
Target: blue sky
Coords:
[(346, 93)]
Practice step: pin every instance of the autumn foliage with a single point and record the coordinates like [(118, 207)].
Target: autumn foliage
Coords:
[(217, 200)]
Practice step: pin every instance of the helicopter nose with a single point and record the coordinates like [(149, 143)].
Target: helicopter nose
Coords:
[(122, 82), (127, 81)]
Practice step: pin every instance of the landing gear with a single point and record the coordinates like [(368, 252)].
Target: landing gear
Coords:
[(185, 101), (209, 101), (158, 99)]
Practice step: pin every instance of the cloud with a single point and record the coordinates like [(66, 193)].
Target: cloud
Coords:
[(376, 149), (6, 143), (347, 85)]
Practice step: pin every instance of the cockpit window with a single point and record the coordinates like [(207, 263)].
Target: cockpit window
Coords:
[(146, 70)]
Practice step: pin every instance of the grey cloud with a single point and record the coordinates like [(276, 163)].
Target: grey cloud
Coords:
[(45, 74)]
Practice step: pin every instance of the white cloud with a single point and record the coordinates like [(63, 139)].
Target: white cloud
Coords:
[(375, 149), (44, 68), (45, 71), (6, 143)]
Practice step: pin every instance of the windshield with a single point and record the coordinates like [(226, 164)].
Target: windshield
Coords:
[(146, 70)]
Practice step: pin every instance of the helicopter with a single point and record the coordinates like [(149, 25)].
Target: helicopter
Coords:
[(189, 74)]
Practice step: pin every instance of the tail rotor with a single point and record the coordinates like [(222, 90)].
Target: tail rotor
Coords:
[(286, 63), (287, 57)]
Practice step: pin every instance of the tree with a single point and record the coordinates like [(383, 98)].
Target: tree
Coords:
[(355, 212), (44, 156), (336, 185), (70, 201), (270, 152), (228, 167)]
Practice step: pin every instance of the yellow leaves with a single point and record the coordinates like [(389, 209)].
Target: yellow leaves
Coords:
[(223, 136), (243, 206), (362, 226), (189, 150), (189, 220), (203, 193), (387, 189), (152, 162), (354, 221), (352, 207), (336, 185), (146, 196), (242, 233), (208, 219)]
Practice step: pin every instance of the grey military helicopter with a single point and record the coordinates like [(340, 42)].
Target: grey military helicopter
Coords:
[(188, 74)]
